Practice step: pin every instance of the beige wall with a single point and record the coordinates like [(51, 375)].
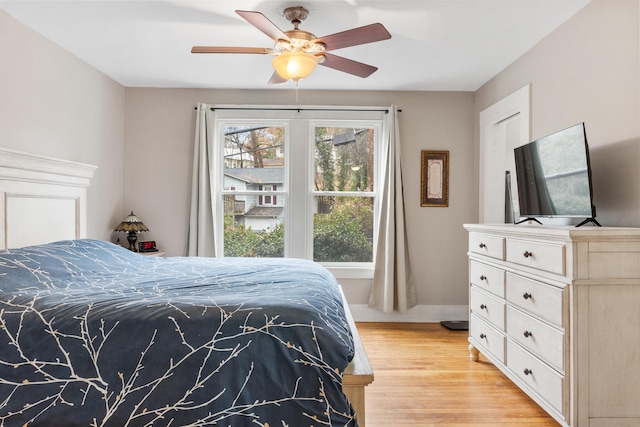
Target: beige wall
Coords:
[(588, 71), (159, 140), (52, 104), (141, 139), (55, 105)]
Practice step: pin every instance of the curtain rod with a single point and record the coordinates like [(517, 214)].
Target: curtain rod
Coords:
[(298, 109)]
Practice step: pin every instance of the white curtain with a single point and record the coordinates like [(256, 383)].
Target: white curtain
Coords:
[(201, 224), (393, 287)]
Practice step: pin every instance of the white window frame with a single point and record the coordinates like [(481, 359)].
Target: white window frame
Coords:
[(299, 123), (268, 190)]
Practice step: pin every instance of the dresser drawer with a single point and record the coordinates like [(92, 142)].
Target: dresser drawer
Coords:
[(486, 277), (539, 255), (540, 377), (538, 337), (483, 244), (489, 308), (488, 338), (536, 298)]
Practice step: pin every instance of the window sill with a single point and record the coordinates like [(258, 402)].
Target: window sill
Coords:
[(350, 272)]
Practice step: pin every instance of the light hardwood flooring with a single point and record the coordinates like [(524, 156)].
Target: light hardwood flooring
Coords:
[(424, 377)]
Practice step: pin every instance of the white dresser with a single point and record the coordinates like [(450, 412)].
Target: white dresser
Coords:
[(557, 309)]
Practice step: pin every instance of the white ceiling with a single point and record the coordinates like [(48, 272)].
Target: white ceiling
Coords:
[(436, 44)]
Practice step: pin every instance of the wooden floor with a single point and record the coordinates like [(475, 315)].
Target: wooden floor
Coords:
[(424, 377)]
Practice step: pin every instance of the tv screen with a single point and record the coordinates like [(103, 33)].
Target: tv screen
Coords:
[(553, 176)]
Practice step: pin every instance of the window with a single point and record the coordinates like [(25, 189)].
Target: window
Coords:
[(343, 196), (267, 199), (253, 166), (298, 184)]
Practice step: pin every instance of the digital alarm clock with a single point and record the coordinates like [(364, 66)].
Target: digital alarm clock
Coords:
[(148, 246)]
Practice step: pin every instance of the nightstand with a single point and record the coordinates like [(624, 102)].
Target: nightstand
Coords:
[(152, 253)]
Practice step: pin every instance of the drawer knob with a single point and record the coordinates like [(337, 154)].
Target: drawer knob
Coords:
[(528, 371), (527, 295), (482, 306), (483, 336), (483, 277), (528, 334), (527, 254), (482, 246)]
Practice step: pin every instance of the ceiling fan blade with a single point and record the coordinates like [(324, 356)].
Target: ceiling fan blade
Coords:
[(356, 36), (263, 23), (230, 49), (348, 65), (276, 78)]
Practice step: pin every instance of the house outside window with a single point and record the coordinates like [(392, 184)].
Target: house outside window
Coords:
[(298, 184)]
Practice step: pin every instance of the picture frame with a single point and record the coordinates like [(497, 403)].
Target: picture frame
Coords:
[(434, 186)]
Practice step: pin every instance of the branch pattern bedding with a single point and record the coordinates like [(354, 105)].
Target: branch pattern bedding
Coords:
[(92, 334)]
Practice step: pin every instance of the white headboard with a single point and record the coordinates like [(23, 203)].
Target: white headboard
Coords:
[(42, 199)]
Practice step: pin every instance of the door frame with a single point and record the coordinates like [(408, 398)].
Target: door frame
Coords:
[(493, 147)]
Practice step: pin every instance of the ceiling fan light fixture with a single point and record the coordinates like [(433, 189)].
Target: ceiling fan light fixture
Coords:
[(297, 52), (294, 65)]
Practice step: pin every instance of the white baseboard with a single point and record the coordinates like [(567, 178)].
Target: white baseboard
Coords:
[(419, 313)]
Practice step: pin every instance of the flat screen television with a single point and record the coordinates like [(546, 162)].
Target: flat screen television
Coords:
[(553, 176)]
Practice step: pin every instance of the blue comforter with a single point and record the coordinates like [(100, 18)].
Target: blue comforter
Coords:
[(92, 334)]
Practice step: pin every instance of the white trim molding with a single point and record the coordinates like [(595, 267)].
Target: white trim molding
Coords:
[(19, 166), (417, 314)]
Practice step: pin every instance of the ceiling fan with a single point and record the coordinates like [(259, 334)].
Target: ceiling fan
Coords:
[(296, 52)]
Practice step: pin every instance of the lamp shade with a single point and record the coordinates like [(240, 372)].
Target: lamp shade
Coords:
[(131, 223), (294, 65)]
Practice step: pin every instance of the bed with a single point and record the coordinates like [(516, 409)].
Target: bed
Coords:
[(92, 334)]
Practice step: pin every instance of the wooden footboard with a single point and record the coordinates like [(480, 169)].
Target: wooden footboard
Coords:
[(359, 373)]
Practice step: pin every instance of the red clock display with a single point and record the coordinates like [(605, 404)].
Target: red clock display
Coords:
[(148, 246)]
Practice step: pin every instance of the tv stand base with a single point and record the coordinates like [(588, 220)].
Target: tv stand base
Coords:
[(529, 219), (589, 220)]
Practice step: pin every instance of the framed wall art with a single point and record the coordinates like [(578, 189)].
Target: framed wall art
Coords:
[(434, 186)]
